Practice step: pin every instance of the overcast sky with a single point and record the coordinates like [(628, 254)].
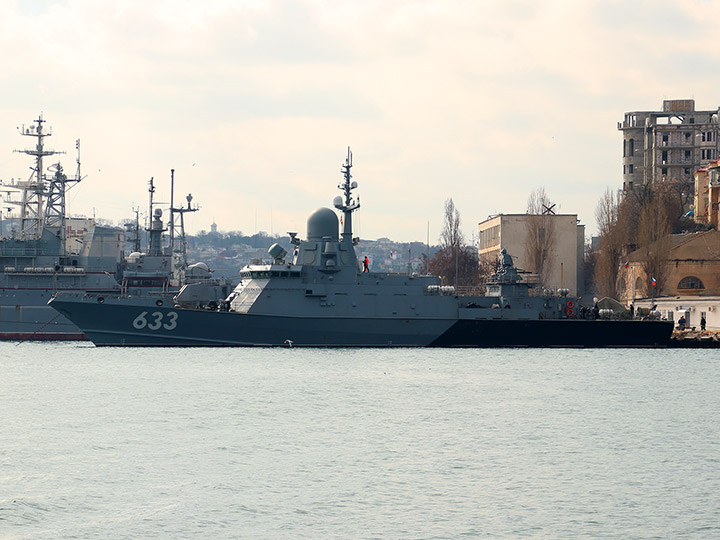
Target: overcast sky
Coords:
[(254, 103)]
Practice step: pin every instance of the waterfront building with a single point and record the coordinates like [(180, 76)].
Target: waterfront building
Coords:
[(511, 232), (691, 282)]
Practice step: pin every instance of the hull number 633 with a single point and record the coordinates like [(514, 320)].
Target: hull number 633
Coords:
[(156, 320)]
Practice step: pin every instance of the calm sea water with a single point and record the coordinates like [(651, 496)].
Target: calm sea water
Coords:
[(358, 444)]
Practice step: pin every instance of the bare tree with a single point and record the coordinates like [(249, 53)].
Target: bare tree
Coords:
[(456, 263), (637, 220), (540, 245), (451, 237), (607, 261), (654, 241)]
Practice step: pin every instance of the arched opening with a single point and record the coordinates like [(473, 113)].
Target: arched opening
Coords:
[(690, 282)]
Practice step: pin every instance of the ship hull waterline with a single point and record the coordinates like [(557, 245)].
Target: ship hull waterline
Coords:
[(133, 325)]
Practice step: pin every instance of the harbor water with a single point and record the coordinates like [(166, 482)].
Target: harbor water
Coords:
[(358, 443)]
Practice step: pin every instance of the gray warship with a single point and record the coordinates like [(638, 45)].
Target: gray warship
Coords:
[(320, 296), (162, 269), (43, 251)]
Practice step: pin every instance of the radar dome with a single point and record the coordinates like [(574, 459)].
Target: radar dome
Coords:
[(323, 225)]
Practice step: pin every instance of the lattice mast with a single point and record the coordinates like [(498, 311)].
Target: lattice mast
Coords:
[(35, 188), (55, 209), (178, 243)]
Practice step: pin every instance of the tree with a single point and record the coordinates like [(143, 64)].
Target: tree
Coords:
[(607, 260), (654, 240), (640, 220), (540, 245), (451, 237), (456, 263)]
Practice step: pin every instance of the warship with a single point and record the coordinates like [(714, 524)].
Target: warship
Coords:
[(43, 251), (321, 297), (163, 269)]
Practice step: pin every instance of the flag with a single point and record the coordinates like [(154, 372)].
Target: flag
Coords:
[(654, 282), (627, 264)]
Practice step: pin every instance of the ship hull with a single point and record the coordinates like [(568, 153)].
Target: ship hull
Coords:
[(142, 323), (25, 315)]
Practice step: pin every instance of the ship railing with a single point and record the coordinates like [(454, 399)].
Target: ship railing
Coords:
[(43, 270)]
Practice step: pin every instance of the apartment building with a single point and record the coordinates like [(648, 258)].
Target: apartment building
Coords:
[(668, 145)]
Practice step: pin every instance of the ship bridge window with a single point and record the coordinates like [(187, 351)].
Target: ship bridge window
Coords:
[(690, 282)]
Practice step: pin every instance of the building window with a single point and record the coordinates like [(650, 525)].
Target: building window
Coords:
[(624, 148), (630, 168), (665, 140), (707, 153), (687, 136), (664, 157), (690, 282), (632, 147), (687, 154), (664, 171)]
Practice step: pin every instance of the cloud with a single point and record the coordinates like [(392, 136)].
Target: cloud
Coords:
[(479, 101)]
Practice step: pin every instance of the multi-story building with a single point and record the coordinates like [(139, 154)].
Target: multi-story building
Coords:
[(511, 231), (668, 145), (707, 194)]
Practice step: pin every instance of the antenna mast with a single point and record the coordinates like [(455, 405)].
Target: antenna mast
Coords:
[(348, 205), (34, 189), (178, 244), (55, 210)]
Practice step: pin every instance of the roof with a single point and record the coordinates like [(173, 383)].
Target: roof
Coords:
[(689, 246)]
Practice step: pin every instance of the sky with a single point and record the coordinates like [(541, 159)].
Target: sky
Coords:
[(254, 103)]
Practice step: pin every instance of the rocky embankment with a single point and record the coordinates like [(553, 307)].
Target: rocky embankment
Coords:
[(695, 339)]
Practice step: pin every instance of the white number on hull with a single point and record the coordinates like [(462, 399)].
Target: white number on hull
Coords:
[(141, 321)]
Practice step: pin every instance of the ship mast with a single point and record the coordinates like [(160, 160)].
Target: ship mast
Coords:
[(346, 203), (178, 244), (33, 189), (59, 184)]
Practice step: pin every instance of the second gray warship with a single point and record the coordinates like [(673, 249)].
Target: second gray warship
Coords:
[(43, 251)]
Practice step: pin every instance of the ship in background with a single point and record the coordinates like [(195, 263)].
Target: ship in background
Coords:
[(42, 251), (162, 270)]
